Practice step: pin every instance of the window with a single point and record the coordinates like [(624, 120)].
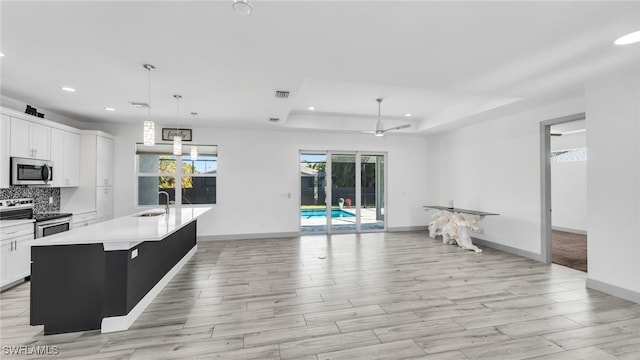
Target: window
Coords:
[(158, 170)]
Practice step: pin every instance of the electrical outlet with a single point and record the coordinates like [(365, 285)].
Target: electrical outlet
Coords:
[(134, 254)]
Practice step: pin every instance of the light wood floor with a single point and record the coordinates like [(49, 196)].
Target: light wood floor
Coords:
[(373, 296)]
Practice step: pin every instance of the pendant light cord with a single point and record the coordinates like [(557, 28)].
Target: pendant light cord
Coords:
[(149, 67), (149, 92)]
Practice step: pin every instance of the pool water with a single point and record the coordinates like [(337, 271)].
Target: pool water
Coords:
[(320, 213)]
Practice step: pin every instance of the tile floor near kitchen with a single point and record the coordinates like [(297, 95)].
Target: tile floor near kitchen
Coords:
[(369, 296)]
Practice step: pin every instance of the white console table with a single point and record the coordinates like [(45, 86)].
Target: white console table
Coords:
[(454, 226)]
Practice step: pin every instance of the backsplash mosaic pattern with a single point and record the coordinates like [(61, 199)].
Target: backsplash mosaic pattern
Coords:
[(40, 197)]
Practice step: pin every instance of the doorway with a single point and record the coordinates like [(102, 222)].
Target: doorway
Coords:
[(564, 223), (342, 192)]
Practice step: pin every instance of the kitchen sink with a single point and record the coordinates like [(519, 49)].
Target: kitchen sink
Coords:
[(150, 213)]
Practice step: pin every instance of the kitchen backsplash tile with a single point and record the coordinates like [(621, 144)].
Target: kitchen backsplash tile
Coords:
[(40, 197)]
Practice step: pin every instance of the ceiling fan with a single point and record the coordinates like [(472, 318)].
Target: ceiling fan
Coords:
[(380, 130)]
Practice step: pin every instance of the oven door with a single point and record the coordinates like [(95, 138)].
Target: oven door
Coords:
[(47, 228), (30, 171)]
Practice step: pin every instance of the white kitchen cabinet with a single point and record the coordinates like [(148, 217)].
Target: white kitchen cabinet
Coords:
[(16, 253), (83, 219), (65, 154), (96, 176), (5, 150), (104, 159), (29, 139), (104, 203)]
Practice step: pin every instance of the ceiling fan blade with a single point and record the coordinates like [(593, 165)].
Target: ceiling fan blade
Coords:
[(398, 127)]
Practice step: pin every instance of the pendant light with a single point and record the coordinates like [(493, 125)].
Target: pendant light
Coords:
[(149, 134), (242, 7), (379, 128), (177, 139), (194, 148)]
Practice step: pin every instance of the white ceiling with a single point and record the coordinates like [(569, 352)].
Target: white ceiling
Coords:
[(446, 63)]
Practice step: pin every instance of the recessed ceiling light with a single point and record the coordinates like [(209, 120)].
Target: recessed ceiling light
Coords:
[(311, 108), (630, 38), (1, 54), (408, 115), (69, 89), (110, 109)]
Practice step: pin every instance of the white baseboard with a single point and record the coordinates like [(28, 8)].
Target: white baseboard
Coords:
[(613, 290), (249, 236), (121, 323), (508, 249), (407, 228), (569, 230)]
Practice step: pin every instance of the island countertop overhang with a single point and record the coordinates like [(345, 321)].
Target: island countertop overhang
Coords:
[(124, 233)]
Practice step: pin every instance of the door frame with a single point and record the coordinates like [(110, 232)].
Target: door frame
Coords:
[(358, 188), (545, 180)]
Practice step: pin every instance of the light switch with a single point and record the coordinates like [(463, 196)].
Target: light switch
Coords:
[(134, 254)]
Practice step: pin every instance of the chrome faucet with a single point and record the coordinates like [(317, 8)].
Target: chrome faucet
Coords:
[(166, 205)]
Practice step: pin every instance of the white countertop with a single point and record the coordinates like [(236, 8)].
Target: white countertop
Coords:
[(125, 232), (6, 223)]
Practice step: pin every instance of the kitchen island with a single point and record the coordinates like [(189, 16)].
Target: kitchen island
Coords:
[(104, 275)]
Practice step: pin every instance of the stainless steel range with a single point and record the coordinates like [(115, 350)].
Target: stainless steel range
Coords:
[(45, 223)]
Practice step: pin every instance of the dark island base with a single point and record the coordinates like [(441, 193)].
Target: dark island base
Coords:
[(73, 287)]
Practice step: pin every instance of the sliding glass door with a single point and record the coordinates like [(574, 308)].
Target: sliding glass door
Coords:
[(372, 192), (342, 192), (313, 198)]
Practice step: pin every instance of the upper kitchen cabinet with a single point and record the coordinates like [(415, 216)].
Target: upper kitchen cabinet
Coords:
[(29, 139), (5, 149), (104, 160), (65, 154)]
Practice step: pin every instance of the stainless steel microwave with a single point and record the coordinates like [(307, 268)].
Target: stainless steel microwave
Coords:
[(31, 171)]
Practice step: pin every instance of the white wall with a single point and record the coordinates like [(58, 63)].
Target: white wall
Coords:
[(49, 115), (495, 167), (569, 186), (258, 168), (613, 175)]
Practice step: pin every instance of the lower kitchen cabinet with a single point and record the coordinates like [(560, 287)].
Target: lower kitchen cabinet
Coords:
[(16, 253), (83, 219)]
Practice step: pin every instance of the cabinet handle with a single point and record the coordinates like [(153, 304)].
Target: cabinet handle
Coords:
[(15, 247), (11, 245)]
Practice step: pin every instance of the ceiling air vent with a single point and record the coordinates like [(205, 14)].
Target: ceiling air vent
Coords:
[(139, 104), (274, 120), (282, 94)]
